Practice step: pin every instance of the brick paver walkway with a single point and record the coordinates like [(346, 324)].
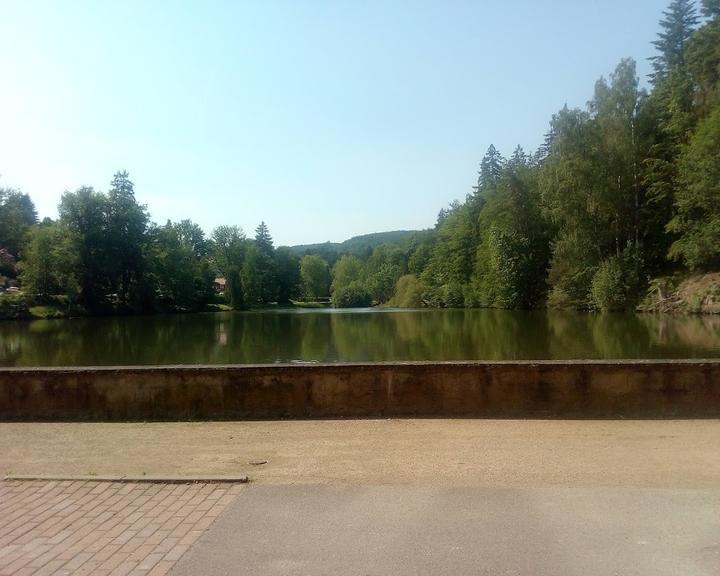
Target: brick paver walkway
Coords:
[(103, 528)]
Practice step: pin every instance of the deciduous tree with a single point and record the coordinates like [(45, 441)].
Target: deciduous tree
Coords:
[(315, 275)]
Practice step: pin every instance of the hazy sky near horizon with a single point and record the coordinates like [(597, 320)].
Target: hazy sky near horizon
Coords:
[(326, 119)]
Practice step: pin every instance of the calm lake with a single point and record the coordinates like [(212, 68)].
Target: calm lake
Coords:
[(355, 335)]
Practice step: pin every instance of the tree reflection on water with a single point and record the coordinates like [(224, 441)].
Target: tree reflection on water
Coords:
[(355, 336)]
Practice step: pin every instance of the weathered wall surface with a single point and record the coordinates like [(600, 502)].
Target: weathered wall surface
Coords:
[(552, 389)]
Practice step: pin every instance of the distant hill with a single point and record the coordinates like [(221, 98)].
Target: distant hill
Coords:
[(357, 244)]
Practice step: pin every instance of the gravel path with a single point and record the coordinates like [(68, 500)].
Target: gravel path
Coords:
[(501, 453)]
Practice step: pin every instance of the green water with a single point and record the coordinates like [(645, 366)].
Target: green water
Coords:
[(354, 336)]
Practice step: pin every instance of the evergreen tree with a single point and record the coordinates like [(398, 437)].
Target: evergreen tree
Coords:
[(263, 240), (592, 188), (697, 221), (513, 254), (671, 114), (490, 169), (591, 215), (703, 62), (450, 267), (544, 149), (680, 19), (711, 8), (519, 159), (259, 274), (616, 108)]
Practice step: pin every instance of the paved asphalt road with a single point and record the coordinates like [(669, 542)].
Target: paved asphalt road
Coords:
[(410, 530)]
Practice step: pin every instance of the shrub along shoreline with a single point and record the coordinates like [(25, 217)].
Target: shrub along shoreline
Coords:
[(673, 295)]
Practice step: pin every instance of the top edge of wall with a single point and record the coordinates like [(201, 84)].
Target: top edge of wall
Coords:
[(326, 365)]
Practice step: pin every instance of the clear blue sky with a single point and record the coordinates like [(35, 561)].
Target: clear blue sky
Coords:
[(326, 119)]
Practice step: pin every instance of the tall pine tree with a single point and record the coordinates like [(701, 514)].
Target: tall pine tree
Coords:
[(680, 19), (263, 239)]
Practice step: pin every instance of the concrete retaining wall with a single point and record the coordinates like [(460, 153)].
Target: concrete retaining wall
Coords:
[(562, 389)]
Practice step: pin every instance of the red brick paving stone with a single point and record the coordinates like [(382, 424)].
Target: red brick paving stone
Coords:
[(78, 527)]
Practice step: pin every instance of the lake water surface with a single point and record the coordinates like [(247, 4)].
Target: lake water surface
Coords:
[(270, 336)]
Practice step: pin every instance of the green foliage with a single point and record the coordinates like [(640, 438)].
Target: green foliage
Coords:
[(450, 268), (192, 236), (17, 214), (408, 292), (112, 241), (7, 265), (697, 222), (677, 25), (593, 190), (234, 288), (491, 169), (183, 276), (348, 269), (703, 62), (382, 270), (575, 259), (356, 246), (263, 239), (259, 282), (227, 251), (352, 295), (287, 265), (503, 281), (348, 289), (615, 285), (711, 8), (514, 250), (84, 213), (315, 277), (126, 241), (615, 191), (258, 274), (685, 86), (419, 256), (449, 295), (56, 307), (50, 262), (13, 306)]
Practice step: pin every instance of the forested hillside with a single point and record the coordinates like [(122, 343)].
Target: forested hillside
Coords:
[(357, 245), (623, 191)]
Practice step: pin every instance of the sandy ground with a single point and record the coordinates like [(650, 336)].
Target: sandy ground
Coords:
[(482, 453)]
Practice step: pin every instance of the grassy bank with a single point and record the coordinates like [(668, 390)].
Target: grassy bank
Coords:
[(675, 294), (16, 305)]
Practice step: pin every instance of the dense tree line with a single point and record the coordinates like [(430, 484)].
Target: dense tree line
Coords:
[(621, 191), (104, 254)]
